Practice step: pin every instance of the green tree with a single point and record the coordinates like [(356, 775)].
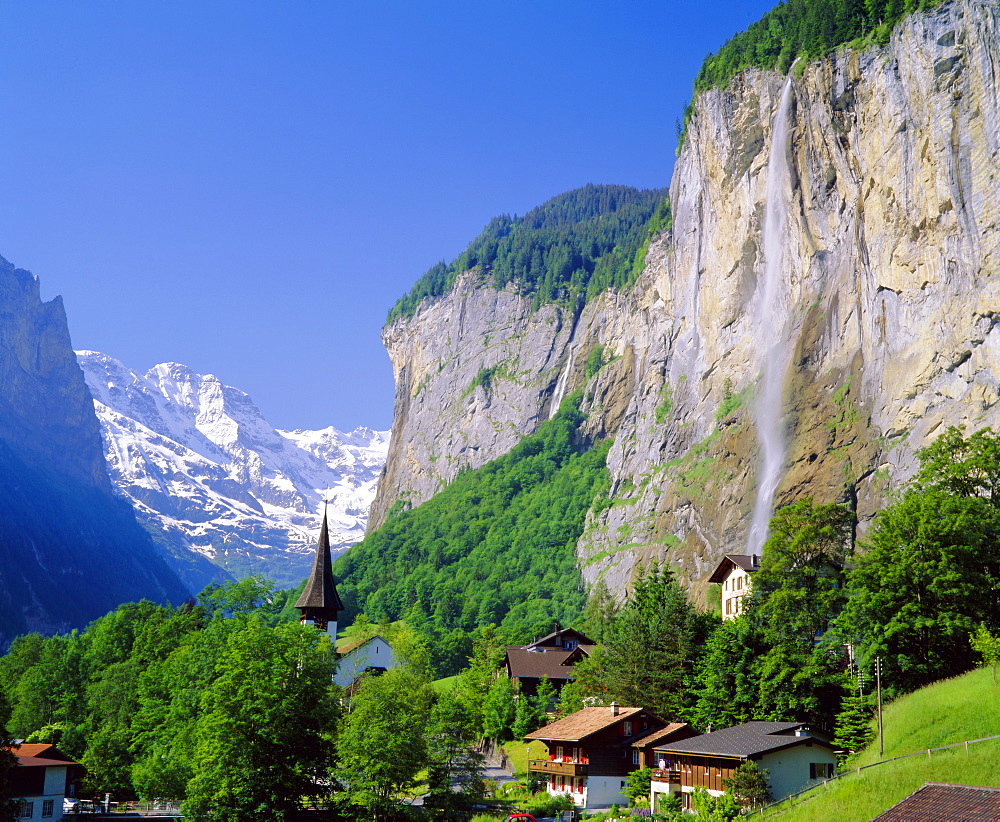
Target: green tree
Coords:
[(854, 724), (748, 785), (797, 593), (499, 710), (637, 786), (926, 577), (923, 581), (988, 647), (264, 739), (588, 686), (725, 684), (455, 769), (649, 645), (383, 743)]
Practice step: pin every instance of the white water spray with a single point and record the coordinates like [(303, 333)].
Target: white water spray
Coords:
[(770, 318)]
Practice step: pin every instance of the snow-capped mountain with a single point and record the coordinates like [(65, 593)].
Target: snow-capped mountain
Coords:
[(208, 474)]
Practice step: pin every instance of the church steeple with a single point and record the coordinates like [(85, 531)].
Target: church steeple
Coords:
[(320, 603)]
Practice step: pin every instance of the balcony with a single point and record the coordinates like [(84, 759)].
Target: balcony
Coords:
[(557, 768), (667, 775)]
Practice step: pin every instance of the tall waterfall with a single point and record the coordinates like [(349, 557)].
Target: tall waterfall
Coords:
[(770, 318)]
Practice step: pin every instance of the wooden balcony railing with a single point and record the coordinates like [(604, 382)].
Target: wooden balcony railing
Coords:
[(667, 775), (557, 768)]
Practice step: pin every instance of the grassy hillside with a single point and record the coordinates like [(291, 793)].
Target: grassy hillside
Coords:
[(966, 707)]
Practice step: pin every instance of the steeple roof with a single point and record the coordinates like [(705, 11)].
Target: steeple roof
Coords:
[(321, 590)]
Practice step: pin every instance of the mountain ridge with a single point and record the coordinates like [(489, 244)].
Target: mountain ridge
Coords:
[(223, 488)]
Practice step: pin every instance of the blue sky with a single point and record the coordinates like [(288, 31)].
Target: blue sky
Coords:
[(247, 187)]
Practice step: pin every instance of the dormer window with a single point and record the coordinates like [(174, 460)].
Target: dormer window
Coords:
[(627, 728)]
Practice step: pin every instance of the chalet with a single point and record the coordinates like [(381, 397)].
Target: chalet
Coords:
[(552, 656), (943, 802), (793, 756), (591, 752), (733, 574), (373, 656), (43, 779)]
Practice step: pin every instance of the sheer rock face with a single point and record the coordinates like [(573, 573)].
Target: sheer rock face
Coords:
[(890, 289), (69, 551), (46, 414)]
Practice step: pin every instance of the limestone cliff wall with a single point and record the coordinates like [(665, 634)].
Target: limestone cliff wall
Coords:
[(890, 299)]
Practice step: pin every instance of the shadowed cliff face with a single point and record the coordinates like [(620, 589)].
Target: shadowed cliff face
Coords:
[(69, 551), (890, 299), (46, 413)]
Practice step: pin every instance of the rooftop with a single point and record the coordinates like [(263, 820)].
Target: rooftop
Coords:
[(743, 741), (943, 802), (550, 662), (584, 723), (664, 734), (748, 562)]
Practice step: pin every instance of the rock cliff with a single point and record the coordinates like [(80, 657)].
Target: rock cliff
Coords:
[(69, 550), (888, 308)]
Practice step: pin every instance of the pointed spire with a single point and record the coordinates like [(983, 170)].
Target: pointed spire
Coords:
[(320, 601)]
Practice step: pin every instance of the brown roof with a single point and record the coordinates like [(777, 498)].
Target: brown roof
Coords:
[(661, 736), (538, 663), (320, 594), (40, 754), (583, 723), (747, 562), (942, 802), (581, 638)]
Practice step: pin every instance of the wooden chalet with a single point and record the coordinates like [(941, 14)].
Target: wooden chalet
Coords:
[(793, 755), (591, 752), (552, 657)]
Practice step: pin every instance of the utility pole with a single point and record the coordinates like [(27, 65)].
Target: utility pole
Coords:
[(878, 685)]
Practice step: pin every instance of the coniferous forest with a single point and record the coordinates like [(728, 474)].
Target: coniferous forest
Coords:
[(571, 248)]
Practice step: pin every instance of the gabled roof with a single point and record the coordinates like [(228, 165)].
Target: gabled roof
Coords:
[(943, 802), (748, 562), (584, 723), (320, 593), (581, 638), (524, 662), (743, 741), (40, 754), (354, 644), (673, 729)]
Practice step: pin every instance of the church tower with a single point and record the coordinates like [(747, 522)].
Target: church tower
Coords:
[(320, 603)]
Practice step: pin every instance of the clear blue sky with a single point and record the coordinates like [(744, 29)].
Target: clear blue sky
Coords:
[(247, 187)]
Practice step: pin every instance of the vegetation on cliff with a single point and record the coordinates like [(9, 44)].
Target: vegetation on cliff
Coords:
[(804, 28), (497, 546), (570, 248)]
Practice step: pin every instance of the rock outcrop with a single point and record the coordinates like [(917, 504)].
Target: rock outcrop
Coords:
[(890, 295), (69, 550)]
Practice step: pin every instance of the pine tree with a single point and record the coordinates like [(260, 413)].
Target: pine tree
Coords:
[(854, 724)]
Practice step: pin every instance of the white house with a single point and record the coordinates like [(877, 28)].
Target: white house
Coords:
[(42, 781), (372, 656), (733, 574)]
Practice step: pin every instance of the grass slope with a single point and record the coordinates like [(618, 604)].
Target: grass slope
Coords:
[(954, 710)]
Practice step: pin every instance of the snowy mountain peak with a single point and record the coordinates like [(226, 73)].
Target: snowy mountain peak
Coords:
[(202, 465)]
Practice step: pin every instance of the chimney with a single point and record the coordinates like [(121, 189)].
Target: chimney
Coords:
[(614, 709)]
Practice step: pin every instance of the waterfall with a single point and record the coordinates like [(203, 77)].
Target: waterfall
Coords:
[(770, 320), (560, 389)]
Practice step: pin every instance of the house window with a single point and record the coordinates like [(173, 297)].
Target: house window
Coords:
[(627, 728), (559, 753), (27, 810), (821, 770), (635, 756), (47, 808)]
